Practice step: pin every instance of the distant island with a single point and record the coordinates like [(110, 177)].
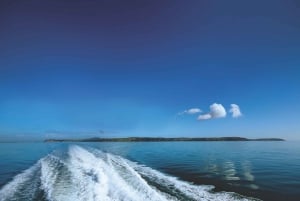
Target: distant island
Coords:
[(161, 139)]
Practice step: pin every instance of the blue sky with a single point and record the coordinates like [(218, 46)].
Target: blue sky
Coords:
[(127, 68)]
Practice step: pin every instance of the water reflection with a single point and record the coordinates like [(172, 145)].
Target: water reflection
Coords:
[(213, 168), (229, 171), (247, 171)]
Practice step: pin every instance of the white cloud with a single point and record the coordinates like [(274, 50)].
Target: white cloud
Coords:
[(216, 111), (191, 111), (204, 117), (235, 110)]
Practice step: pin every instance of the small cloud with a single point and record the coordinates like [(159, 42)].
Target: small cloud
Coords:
[(216, 111), (191, 111), (235, 110), (204, 117)]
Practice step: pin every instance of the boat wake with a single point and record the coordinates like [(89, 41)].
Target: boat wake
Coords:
[(87, 174)]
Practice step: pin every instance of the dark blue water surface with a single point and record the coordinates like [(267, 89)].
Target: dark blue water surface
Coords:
[(264, 170)]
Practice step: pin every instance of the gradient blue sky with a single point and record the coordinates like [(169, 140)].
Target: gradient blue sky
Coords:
[(126, 68)]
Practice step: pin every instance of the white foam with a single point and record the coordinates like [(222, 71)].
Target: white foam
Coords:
[(20, 182), (110, 178), (92, 175), (54, 178)]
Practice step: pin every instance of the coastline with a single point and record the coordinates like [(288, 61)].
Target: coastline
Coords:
[(162, 139)]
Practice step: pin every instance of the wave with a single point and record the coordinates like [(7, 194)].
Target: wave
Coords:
[(87, 174)]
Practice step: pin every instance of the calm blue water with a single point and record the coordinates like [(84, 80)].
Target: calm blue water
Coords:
[(150, 171)]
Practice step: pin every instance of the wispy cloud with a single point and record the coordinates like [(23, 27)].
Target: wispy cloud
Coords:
[(191, 111), (235, 110), (204, 116), (216, 111)]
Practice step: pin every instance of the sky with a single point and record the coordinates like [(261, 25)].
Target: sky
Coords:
[(166, 68)]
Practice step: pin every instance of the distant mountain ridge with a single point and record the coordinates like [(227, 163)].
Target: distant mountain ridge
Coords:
[(161, 139)]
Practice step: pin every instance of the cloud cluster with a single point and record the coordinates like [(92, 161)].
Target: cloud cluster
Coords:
[(216, 111), (191, 111)]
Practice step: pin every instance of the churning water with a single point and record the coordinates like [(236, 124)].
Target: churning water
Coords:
[(148, 171)]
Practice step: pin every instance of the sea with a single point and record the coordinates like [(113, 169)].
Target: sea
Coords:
[(154, 171)]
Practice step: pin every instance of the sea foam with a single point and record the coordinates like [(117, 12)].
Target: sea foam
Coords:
[(88, 174)]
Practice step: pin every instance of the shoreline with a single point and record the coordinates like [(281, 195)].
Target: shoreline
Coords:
[(162, 139)]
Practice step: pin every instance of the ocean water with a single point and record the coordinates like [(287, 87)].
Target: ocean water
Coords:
[(133, 171)]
